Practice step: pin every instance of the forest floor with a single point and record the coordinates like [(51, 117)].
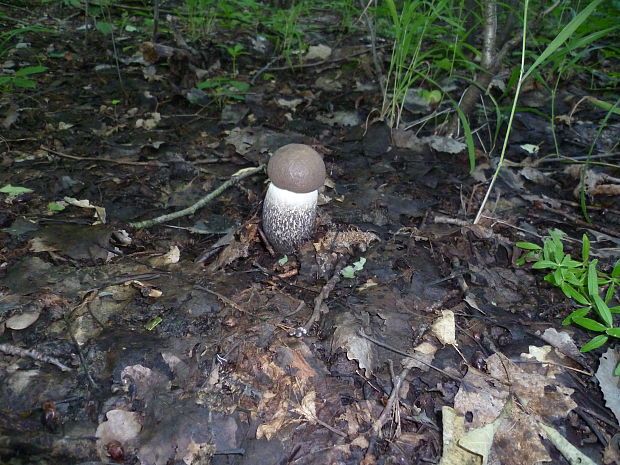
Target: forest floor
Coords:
[(400, 334)]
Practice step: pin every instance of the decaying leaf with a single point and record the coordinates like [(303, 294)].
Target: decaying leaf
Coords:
[(485, 396), (444, 328), (453, 431), (344, 241), (121, 426), (85, 203), (22, 320), (172, 256), (562, 341), (232, 252), (422, 356), (358, 348), (307, 407), (318, 52), (609, 383)]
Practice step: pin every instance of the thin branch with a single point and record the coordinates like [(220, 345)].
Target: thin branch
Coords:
[(392, 403), (34, 354), (104, 160), (234, 179), (405, 354), (318, 300)]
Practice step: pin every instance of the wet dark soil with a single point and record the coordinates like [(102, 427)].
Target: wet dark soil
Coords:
[(190, 342)]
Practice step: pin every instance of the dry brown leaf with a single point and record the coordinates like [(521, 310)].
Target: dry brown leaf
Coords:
[(344, 241)]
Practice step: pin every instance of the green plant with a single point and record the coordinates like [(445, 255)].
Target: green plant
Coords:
[(21, 78), (289, 34), (200, 17), (6, 36), (224, 89), (410, 28), (580, 281), (350, 270), (541, 60), (234, 51)]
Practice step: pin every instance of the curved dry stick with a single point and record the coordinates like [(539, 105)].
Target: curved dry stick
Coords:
[(234, 179)]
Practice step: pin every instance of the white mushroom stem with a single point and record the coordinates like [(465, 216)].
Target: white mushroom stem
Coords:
[(288, 217)]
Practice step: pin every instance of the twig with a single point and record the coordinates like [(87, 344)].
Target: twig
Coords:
[(234, 179), (83, 362), (392, 403), (34, 354), (599, 417), (322, 62), (405, 354), (223, 298), (260, 72), (373, 40), (577, 220), (593, 426), (319, 299), (104, 160)]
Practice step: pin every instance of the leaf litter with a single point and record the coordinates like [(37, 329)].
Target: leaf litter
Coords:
[(428, 350)]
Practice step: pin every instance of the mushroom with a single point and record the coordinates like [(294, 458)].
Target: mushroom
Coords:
[(296, 172)]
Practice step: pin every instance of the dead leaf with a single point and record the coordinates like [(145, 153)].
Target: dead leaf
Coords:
[(85, 203), (422, 356), (444, 328), (121, 426), (232, 252), (318, 52), (357, 348), (562, 341), (172, 256), (22, 320), (609, 383), (307, 407), (344, 241)]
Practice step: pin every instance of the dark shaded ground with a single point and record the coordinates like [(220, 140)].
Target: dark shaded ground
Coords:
[(220, 379)]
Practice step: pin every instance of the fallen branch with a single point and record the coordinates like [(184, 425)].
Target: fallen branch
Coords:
[(104, 160), (234, 179), (34, 354), (319, 299)]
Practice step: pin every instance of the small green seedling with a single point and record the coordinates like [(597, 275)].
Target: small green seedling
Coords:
[(151, 325), (580, 281), (104, 27), (349, 271), (432, 97), (234, 52), (283, 261), (21, 78), (14, 191), (223, 89), (55, 207)]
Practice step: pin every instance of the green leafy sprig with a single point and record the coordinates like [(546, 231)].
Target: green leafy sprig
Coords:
[(580, 281)]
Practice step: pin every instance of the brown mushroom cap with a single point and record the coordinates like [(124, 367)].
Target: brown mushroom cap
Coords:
[(297, 168)]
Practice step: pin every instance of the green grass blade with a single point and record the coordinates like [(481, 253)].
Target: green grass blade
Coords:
[(563, 36)]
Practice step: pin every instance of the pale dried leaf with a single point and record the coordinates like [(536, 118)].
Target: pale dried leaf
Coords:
[(444, 328), (22, 320), (562, 341), (318, 52), (357, 348), (609, 383)]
